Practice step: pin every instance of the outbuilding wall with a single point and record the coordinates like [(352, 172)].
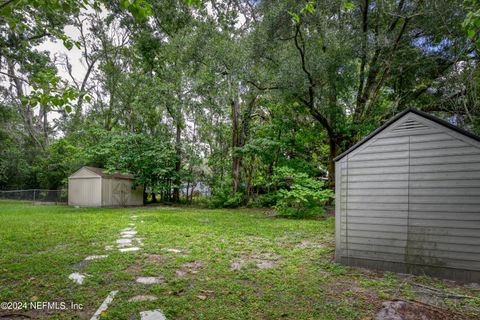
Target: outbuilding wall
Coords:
[(92, 187), (85, 189), (408, 200), (118, 192)]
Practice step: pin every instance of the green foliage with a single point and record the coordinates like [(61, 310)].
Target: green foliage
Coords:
[(61, 160), (266, 200), (471, 24), (348, 5), (223, 198), (223, 94), (140, 9), (151, 161), (194, 2), (303, 197), (333, 268)]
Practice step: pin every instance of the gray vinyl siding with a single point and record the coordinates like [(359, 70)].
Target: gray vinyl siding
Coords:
[(408, 200)]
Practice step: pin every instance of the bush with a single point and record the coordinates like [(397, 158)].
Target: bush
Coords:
[(265, 200), (304, 197), (224, 199)]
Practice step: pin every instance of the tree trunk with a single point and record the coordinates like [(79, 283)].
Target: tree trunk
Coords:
[(333, 146), (145, 195), (45, 126), (178, 163), (236, 159)]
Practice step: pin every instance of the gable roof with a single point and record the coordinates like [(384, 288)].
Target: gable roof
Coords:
[(401, 115), (101, 172)]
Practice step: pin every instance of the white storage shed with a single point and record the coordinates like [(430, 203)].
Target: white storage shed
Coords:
[(93, 187), (408, 199)]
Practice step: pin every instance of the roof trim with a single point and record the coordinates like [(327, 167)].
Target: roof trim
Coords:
[(400, 115), (101, 173)]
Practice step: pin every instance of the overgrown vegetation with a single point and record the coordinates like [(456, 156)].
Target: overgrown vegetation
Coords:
[(223, 94), (303, 196)]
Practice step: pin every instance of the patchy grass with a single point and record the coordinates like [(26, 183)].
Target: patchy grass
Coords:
[(228, 264)]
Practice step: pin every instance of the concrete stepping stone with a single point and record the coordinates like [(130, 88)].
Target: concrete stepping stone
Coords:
[(124, 242), (104, 306), (150, 280), (128, 233), (172, 250), (126, 229), (141, 298), (77, 277), (108, 248), (152, 315), (129, 249), (90, 258)]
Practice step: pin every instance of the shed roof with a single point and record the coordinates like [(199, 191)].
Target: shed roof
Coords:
[(102, 173), (401, 115)]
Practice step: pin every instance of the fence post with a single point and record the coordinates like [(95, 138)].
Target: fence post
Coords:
[(34, 196)]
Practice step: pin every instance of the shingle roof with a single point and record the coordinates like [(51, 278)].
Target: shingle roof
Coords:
[(400, 115), (101, 172)]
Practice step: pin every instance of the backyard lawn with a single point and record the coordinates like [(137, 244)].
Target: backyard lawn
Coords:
[(207, 264)]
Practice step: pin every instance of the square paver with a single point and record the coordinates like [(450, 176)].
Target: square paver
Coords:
[(152, 315)]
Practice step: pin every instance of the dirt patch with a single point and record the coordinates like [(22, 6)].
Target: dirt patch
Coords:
[(253, 240), (310, 244), (135, 268), (351, 291), (265, 260), (156, 258), (414, 310), (189, 268)]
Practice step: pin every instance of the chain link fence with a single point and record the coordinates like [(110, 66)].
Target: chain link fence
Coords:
[(36, 195)]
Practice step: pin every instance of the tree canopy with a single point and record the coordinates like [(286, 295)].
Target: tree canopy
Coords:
[(236, 95)]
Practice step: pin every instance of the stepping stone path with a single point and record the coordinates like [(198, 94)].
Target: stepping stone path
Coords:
[(129, 249), (90, 258), (152, 315), (150, 280), (104, 306), (172, 250), (127, 239), (77, 277), (125, 244)]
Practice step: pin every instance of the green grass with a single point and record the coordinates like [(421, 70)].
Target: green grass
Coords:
[(40, 245)]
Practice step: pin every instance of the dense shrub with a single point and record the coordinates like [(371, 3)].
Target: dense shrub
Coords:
[(303, 197), (224, 199), (265, 200)]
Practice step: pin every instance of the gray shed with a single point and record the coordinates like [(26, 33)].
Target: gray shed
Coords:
[(408, 199), (93, 187)]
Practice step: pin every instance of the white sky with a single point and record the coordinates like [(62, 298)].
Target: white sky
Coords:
[(57, 50)]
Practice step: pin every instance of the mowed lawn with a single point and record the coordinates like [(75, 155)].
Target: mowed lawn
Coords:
[(228, 264)]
